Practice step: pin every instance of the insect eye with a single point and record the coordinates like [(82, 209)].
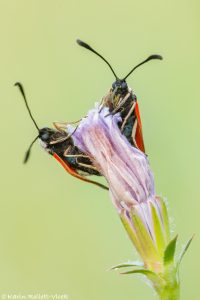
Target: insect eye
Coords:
[(114, 85), (123, 85), (45, 136)]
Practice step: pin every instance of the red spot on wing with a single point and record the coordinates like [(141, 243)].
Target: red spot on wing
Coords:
[(138, 134), (74, 173)]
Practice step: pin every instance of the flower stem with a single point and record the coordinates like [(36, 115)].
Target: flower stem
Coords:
[(170, 293), (171, 289)]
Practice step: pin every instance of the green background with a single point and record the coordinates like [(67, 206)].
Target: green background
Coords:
[(57, 234)]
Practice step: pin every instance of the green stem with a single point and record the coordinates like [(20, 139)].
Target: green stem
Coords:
[(171, 289), (170, 293)]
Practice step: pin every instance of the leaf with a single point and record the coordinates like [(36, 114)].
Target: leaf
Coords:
[(149, 274), (140, 271), (185, 248), (170, 251), (155, 279), (128, 264)]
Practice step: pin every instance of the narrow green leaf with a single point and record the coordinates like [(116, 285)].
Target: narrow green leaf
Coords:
[(170, 251), (152, 276), (158, 231), (128, 264), (185, 248), (140, 271)]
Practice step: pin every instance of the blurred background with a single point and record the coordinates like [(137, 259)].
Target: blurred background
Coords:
[(58, 234)]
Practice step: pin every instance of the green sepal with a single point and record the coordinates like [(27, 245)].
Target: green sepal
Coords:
[(132, 235), (170, 251), (165, 218), (158, 231), (147, 244), (185, 248), (128, 264)]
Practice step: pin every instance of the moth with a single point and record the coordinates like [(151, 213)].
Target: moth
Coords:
[(121, 99), (59, 144)]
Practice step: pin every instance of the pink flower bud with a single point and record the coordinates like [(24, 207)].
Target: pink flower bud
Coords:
[(125, 167), (130, 181)]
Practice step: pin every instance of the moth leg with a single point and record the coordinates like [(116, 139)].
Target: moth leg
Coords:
[(67, 151), (102, 103), (87, 166), (70, 134), (75, 155), (121, 103), (60, 126), (128, 115), (114, 92), (65, 154), (134, 133), (75, 122), (63, 138), (105, 101), (59, 140)]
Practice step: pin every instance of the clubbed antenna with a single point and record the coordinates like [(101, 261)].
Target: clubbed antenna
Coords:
[(154, 56), (83, 44), (20, 86), (28, 152)]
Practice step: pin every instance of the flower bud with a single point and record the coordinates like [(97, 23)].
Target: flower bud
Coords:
[(131, 183)]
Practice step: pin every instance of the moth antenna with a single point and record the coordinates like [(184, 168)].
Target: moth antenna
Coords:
[(28, 152), (154, 56), (20, 86), (84, 45)]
